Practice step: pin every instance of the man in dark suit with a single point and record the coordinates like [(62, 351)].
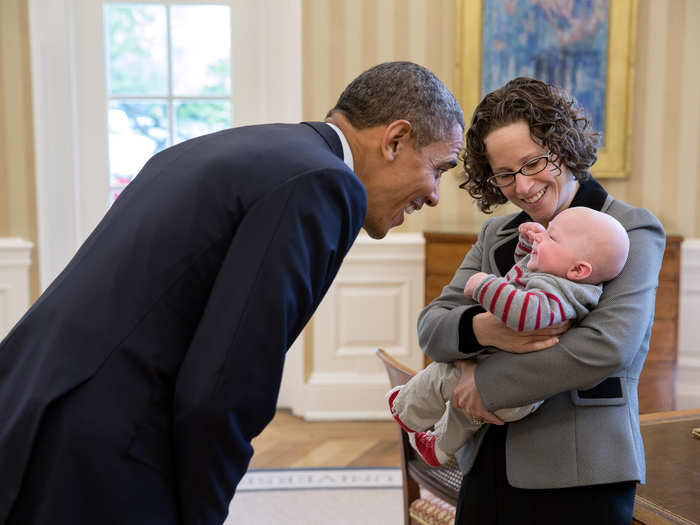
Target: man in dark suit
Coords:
[(131, 389)]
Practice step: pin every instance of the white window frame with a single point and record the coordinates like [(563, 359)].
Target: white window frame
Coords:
[(70, 101)]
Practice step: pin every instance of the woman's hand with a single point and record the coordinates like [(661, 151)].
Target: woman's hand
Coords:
[(466, 397), (490, 331)]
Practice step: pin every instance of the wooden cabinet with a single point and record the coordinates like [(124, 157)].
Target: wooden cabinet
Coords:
[(657, 391), (657, 384)]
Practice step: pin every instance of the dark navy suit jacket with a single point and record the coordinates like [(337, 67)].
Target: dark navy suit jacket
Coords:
[(131, 389)]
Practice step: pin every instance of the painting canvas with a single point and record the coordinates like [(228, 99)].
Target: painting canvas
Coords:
[(584, 46), (562, 42)]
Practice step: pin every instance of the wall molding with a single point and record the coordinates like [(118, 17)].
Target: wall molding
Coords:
[(353, 396), (15, 263), (689, 362), (373, 303), (688, 370), (348, 378), (15, 252)]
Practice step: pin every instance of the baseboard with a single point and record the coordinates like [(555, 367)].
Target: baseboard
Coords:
[(350, 415), (345, 396)]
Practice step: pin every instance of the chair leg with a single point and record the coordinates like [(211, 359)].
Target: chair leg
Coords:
[(411, 490)]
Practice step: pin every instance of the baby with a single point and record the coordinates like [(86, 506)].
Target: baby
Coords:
[(557, 277)]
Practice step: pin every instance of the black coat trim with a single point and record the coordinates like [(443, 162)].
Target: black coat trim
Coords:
[(609, 388)]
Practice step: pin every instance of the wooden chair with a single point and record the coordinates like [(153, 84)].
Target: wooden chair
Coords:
[(443, 482)]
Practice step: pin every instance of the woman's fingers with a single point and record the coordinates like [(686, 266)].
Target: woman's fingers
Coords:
[(534, 346), (466, 396), (490, 331), (488, 417), (557, 329)]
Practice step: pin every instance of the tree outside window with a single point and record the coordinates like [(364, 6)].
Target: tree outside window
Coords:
[(168, 77)]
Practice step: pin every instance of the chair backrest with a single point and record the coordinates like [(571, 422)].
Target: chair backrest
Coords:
[(398, 373), (443, 482)]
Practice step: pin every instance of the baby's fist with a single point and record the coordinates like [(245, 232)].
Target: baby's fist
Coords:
[(529, 229), (473, 283)]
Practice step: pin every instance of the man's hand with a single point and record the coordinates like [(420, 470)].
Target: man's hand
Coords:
[(473, 283), (490, 331), (529, 229), (466, 397)]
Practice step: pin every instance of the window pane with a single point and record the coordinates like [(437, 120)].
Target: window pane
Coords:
[(113, 194), (194, 118), (136, 49), (137, 130), (201, 49)]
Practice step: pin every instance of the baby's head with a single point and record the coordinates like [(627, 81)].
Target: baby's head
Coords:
[(582, 245)]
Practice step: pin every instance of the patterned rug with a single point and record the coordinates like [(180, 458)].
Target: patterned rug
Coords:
[(318, 496)]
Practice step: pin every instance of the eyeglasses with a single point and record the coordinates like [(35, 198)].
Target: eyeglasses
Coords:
[(530, 168)]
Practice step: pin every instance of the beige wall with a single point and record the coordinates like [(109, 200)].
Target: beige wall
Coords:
[(17, 187), (343, 37)]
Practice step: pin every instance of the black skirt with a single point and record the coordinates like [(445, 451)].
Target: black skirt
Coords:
[(487, 498)]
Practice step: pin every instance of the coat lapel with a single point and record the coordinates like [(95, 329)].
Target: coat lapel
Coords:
[(590, 195)]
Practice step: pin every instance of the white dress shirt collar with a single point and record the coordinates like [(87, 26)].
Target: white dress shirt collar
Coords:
[(347, 152)]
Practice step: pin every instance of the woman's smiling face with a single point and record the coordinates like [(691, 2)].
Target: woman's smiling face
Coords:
[(541, 196)]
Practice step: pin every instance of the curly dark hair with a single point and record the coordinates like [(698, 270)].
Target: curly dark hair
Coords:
[(556, 122)]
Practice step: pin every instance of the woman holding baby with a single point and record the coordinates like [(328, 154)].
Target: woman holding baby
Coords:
[(578, 457)]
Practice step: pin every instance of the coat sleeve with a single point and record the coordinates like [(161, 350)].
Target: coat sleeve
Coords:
[(282, 258), (607, 340)]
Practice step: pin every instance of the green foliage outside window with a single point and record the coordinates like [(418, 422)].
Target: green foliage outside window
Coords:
[(137, 62)]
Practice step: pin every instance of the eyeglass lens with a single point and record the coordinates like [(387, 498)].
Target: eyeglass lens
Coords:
[(530, 168)]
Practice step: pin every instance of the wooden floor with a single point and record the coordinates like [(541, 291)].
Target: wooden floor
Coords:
[(289, 441)]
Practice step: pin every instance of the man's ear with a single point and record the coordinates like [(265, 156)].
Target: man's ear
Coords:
[(579, 271), (395, 137)]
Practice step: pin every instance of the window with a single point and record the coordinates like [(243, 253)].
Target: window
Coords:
[(72, 89), (168, 80)]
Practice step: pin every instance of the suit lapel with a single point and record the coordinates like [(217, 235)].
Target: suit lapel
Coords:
[(590, 195), (329, 135)]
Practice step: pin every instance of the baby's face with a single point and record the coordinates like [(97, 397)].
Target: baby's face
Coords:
[(554, 251)]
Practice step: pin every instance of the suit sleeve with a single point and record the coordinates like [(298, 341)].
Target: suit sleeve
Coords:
[(522, 309), (604, 342), (282, 258)]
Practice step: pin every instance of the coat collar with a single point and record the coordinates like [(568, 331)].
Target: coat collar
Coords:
[(329, 135), (590, 195)]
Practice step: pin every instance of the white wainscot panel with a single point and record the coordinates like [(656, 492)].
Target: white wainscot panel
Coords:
[(373, 303), (688, 378), (15, 261), (371, 314)]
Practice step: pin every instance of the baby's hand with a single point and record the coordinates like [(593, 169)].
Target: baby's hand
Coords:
[(473, 283), (529, 229)]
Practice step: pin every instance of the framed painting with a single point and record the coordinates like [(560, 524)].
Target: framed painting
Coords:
[(583, 46)]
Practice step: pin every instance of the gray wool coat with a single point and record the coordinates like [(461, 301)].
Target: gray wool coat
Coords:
[(587, 430)]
